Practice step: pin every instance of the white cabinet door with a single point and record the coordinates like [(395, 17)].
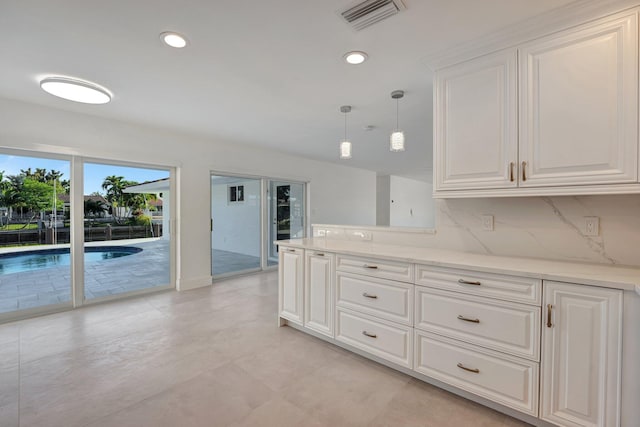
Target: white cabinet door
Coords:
[(318, 292), (579, 105), (290, 281), (476, 132), (581, 355)]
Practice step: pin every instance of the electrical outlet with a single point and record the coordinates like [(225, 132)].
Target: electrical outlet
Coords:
[(487, 222), (361, 235), (591, 226), (321, 233)]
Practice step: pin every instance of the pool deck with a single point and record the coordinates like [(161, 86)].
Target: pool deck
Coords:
[(146, 269)]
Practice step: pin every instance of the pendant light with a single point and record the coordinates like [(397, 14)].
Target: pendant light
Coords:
[(345, 145), (396, 142)]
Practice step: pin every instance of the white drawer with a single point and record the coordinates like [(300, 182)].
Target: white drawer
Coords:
[(509, 288), (498, 325), (504, 379), (393, 270), (382, 298), (381, 338)]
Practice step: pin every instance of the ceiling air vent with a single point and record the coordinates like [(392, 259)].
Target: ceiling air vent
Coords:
[(365, 13)]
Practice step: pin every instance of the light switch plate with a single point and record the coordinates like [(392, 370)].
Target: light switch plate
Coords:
[(591, 226), (487, 222)]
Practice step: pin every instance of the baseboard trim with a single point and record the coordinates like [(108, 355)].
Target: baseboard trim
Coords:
[(194, 283)]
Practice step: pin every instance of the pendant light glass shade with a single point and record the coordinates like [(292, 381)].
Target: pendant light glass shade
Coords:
[(345, 150), (396, 141), (345, 145)]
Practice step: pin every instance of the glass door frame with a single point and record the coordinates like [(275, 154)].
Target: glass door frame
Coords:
[(76, 241), (261, 225), (77, 207), (265, 232)]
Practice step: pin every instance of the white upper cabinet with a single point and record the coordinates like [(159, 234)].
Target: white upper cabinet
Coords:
[(579, 105), (554, 116), (475, 123)]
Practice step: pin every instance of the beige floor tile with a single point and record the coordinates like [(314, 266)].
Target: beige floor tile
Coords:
[(280, 413), (420, 404), (348, 392), (283, 365), (208, 357), (217, 398)]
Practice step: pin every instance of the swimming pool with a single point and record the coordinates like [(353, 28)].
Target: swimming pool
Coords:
[(18, 262)]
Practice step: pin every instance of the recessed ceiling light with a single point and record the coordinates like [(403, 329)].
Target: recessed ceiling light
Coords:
[(355, 57), (75, 90), (174, 39)]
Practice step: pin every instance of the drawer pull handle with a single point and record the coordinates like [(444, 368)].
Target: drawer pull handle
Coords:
[(319, 254), (467, 282), (291, 250), (475, 371), (466, 319), (373, 267), (366, 295), (369, 335), (549, 308)]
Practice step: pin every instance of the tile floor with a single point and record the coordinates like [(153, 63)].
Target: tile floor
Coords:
[(207, 357)]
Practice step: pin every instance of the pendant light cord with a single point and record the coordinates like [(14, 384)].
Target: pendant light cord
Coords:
[(397, 113), (345, 126)]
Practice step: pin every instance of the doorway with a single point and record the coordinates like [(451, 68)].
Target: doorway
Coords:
[(286, 214)]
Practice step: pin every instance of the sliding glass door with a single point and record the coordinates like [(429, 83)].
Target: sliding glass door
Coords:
[(126, 229), (247, 215), (35, 259), (286, 214), (236, 226)]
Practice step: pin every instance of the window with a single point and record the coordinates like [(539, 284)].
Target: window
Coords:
[(236, 193)]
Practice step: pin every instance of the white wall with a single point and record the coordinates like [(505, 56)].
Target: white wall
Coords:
[(411, 203), (383, 200), (338, 194), (236, 226)]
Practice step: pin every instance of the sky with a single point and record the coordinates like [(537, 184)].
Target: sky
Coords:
[(94, 173)]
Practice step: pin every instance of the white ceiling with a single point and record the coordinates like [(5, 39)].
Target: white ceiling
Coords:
[(260, 72)]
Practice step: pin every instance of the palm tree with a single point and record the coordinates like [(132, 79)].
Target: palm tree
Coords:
[(113, 185)]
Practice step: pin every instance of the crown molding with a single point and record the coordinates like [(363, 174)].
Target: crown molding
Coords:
[(563, 17)]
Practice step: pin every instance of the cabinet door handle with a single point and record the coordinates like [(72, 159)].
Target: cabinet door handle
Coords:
[(467, 282), (466, 319), (373, 267), (524, 171), (369, 335), (366, 295), (549, 308), (319, 254), (475, 371), (511, 177)]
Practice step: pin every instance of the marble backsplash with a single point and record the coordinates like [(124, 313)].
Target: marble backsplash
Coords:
[(538, 227)]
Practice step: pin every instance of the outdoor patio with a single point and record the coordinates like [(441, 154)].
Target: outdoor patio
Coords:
[(36, 288)]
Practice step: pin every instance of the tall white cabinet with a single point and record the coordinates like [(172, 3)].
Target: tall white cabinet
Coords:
[(290, 283), (318, 292), (554, 116), (581, 357)]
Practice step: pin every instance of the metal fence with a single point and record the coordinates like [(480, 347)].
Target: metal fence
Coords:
[(91, 234)]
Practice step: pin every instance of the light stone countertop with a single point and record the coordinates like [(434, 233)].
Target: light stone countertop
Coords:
[(618, 277)]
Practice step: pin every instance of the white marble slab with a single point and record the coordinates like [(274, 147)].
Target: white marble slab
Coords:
[(610, 276)]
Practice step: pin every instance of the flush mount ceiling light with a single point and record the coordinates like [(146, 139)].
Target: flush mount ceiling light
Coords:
[(173, 39), (396, 142), (345, 145), (355, 57), (75, 90)]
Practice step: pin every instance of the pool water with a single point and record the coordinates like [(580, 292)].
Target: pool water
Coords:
[(19, 262)]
